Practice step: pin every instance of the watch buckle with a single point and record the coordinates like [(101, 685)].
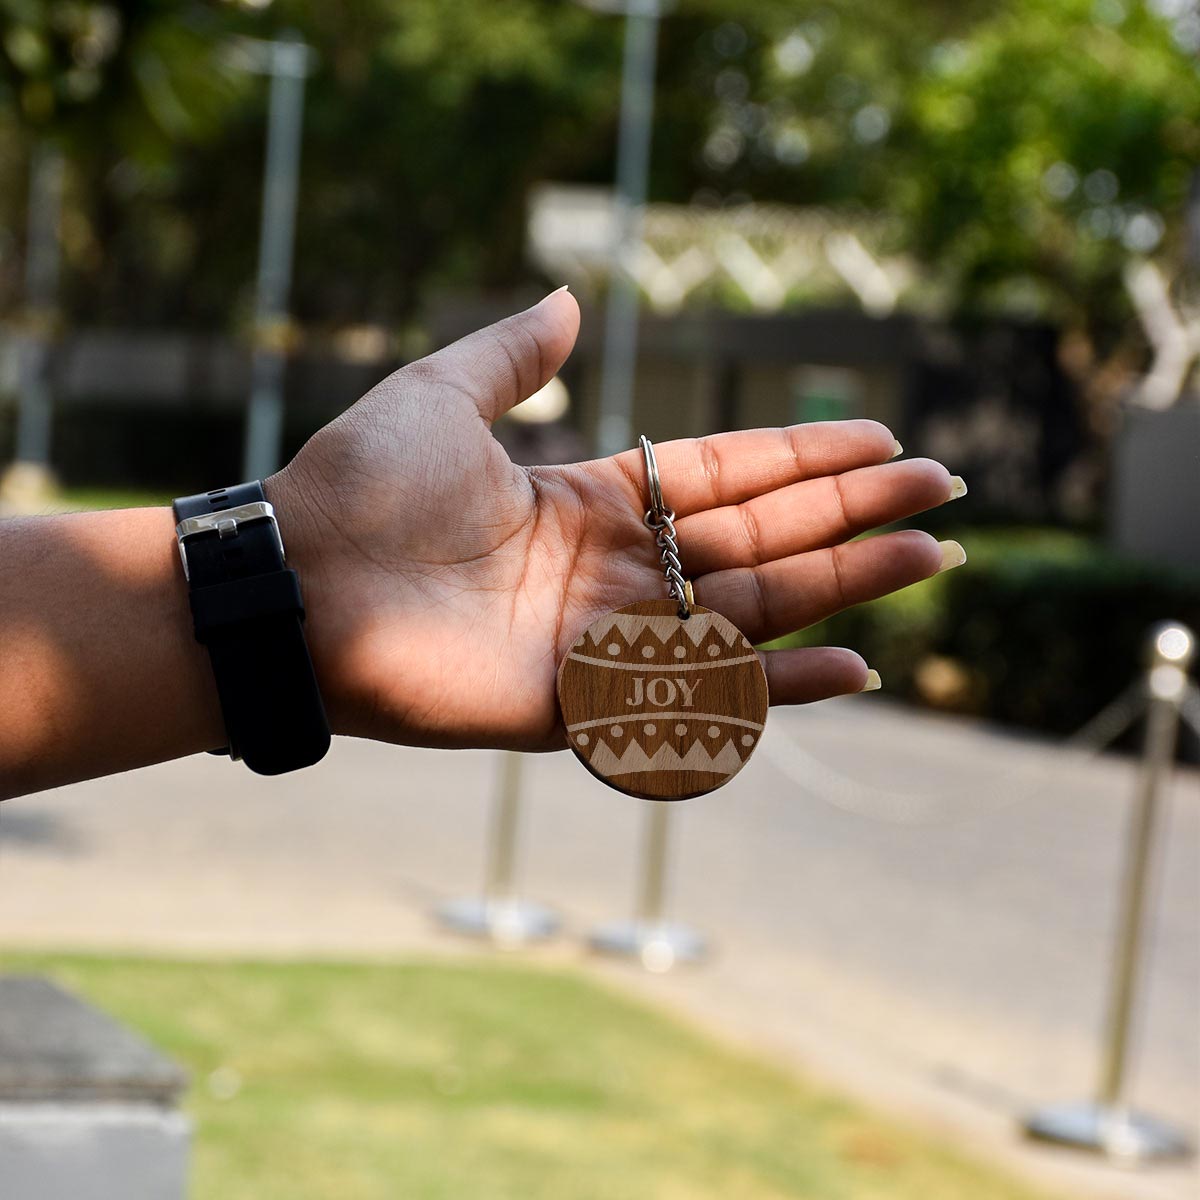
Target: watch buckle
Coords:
[(225, 523)]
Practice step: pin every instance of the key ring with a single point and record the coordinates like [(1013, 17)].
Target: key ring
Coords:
[(662, 698), (661, 520), (657, 508)]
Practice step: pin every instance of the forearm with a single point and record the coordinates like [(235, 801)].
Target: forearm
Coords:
[(99, 671)]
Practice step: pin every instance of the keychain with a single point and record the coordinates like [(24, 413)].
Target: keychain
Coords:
[(663, 699)]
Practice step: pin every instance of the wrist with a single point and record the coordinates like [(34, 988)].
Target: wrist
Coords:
[(248, 614), (306, 541)]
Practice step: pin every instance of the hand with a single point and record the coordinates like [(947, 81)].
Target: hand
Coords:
[(444, 584)]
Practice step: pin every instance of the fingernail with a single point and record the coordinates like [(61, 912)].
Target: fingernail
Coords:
[(546, 297), (899, 449), (873, 684), (953, 555), (958, 487)]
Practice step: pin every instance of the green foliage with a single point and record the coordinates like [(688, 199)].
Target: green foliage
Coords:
[(1042, 168), (452, 1080), (1022, 151), (1039, 629), (141, 74), (427, 125), (1019, 151)]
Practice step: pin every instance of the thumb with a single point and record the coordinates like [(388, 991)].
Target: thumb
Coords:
[(506, 363)]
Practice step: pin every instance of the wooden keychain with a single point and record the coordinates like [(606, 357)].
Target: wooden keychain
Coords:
[(663, 699)]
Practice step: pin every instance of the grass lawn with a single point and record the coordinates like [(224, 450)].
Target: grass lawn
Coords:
[(489, 1081), (93, 498)]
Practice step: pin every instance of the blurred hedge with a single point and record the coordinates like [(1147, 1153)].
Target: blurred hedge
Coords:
[(1039, 629)]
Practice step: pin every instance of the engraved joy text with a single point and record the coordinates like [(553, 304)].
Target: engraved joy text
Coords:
[(661, 692)]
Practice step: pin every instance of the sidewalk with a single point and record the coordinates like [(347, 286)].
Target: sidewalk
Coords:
[(952, 972)]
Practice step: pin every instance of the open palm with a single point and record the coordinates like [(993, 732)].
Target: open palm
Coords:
[(444, 583)]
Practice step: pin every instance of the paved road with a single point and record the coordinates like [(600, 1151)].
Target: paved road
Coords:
[(950, 964)]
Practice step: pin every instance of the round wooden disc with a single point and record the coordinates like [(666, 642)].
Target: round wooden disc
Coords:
[(662, 708)]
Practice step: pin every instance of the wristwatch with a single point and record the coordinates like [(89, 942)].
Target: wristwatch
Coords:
[(248, 613)]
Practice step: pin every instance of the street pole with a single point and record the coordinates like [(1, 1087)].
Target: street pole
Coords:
[(42, 258), (615, 431), (287, 64)]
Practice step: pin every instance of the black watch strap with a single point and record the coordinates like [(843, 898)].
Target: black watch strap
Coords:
[(248, 613)]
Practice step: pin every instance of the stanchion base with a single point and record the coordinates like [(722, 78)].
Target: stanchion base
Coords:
[(657, 945), (506, 922), (26, 488), (1122, 1135)]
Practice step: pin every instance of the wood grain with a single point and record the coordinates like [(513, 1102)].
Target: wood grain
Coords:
[(659, 707)]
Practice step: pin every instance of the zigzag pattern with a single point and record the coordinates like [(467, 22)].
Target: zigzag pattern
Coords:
[(696, 627), (634, 760)]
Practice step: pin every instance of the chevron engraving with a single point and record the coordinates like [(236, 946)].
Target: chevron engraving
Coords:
[(634, 760), (696, 627)]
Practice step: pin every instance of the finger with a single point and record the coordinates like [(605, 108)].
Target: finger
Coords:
[(809, 515), (814, 673), (506, 363), (778, 597), (728, 468)]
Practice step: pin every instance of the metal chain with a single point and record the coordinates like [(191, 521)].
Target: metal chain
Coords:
[(1189, 710), (1112, 720), (831, 785), (661, 520), (668, 545)]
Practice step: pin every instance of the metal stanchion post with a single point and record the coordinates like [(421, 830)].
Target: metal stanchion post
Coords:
[(1109, 1125), (29, 482), (658, 944), (500, 914)]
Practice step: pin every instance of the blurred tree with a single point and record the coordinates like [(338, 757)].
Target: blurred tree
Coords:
[(426, 130), (433, 118), (141, 73), (1023, 151), (426, 122), (1056, 145), (120, 86)]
